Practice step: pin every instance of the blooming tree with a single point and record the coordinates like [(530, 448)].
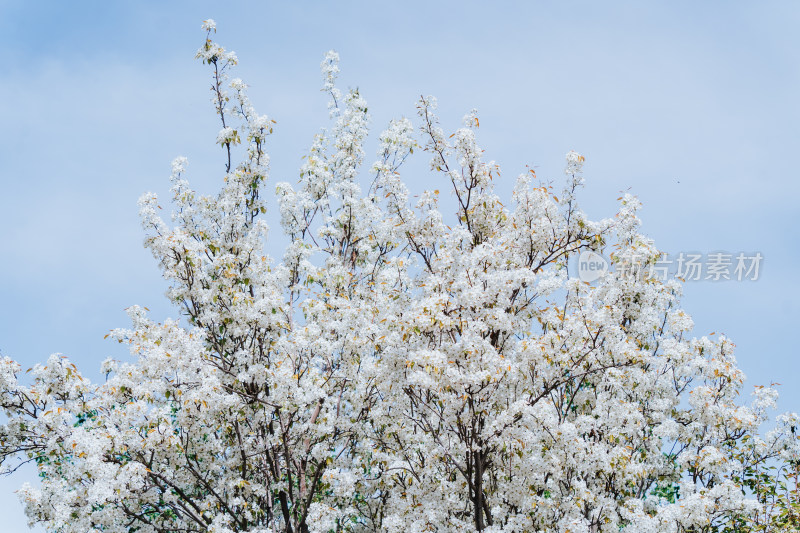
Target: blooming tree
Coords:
[(404, 367)]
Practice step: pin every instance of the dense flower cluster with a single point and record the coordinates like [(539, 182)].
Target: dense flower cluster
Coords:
[(403, 368)]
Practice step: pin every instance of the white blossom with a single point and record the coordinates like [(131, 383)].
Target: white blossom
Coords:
[(410, 364)]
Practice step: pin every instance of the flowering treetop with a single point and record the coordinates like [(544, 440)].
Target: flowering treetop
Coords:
[(424, 365)]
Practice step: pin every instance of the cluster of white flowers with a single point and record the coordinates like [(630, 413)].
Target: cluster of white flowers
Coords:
[(227, 135), (402, 369), (330, 71)]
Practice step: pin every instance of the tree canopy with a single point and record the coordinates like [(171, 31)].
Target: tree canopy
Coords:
[(409, 364)]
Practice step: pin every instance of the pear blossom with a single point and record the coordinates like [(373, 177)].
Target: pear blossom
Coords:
[(407, 364)]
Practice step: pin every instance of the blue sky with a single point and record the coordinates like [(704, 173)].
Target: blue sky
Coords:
[(691, 106)]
